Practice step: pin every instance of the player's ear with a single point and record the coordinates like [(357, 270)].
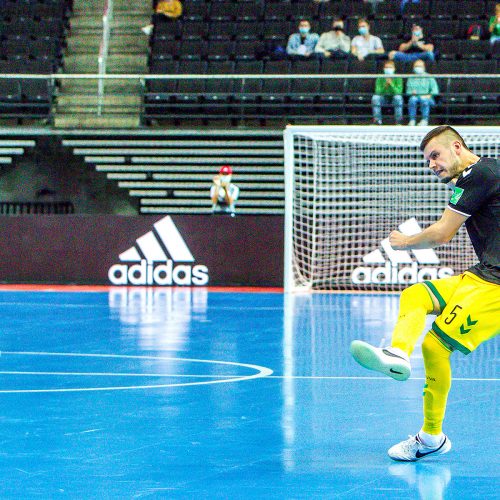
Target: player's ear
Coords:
[(457, 147)]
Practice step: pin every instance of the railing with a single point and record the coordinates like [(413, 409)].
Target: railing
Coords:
[(103, 53), (242, 79)]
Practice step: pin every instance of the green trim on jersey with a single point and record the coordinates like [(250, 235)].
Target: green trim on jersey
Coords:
[(454, 343), (433, 291)]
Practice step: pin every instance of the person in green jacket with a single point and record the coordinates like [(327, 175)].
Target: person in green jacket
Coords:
[(388, 90), (421, 90), (494, 26)]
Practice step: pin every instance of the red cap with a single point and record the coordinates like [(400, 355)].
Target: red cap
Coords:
[(226, 170)]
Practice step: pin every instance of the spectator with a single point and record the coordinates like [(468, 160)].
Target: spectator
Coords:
[(494, 25), (335, 43), (388, 91), (303, 43), (164, 10), (223, 192), (421, 90), (366, 45), (415, 48)]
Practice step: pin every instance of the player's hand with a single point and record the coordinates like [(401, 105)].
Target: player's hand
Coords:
[(217, 180), (398, 240)]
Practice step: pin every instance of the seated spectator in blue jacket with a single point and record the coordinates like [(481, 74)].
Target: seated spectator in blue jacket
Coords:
[(303, 43), (415, 48)]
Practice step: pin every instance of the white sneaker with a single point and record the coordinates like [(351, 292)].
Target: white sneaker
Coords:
[(411, 123), (390, 361), (423, 123), (413, 449)]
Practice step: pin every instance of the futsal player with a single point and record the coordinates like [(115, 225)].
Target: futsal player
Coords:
[(467, 306)]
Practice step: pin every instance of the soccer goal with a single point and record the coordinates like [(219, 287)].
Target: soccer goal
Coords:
[(347, 188)]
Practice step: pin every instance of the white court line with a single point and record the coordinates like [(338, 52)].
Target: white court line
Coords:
[(261, 372)]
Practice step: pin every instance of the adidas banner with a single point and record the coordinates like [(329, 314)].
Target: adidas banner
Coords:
[(142, 251)]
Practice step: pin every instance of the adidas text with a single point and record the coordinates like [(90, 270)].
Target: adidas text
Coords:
[(395, 274), (164, 274)]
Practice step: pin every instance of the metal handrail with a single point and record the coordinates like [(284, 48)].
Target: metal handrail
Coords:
[(103, 53), (234, 76)]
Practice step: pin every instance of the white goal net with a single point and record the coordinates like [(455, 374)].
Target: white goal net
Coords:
[(347, 188)]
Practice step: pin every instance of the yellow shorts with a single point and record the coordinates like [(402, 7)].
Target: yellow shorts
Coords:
[(468, 309)]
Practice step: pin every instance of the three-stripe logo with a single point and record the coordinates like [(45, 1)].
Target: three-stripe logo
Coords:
[(401, 266), (152, 260)]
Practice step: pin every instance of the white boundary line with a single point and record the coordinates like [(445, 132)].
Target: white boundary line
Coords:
[(261, 372)]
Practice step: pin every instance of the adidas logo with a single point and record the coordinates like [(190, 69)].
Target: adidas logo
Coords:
[(402, 267), (150, 264)]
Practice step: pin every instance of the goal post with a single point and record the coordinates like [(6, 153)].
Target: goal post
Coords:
[(347, 188)]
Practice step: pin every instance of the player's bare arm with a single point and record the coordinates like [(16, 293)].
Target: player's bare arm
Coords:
[(436, 234)]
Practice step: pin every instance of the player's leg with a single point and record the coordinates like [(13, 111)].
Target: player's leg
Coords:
[(430, 439), (415, 304), (469, 318)]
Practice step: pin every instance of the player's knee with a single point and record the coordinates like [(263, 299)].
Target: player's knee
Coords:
[(432, 349)]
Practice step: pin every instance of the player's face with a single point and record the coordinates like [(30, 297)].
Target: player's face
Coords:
[(443, 160)]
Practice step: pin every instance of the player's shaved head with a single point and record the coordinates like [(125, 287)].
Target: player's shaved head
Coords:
[(445, 134)]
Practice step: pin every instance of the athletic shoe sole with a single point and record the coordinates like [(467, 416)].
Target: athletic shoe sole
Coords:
[(380, 360)]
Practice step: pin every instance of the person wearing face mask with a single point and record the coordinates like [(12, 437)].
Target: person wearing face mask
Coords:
[(388, 91), (223, 192), (422, 89), (415, 48), (335, 43), (366, 45), (303, 43)]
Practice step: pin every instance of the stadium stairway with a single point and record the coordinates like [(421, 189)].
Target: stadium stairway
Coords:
[(128, 51), (11, 148), (173, 174)]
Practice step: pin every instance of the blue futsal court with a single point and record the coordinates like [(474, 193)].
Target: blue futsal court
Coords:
[(189, 393)]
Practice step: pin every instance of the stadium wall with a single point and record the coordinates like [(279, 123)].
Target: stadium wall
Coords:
[(191, 250)]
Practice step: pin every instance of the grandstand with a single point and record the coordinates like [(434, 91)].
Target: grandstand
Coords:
[(205, 85)]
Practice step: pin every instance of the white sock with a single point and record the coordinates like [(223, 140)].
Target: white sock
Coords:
[(431, 440)]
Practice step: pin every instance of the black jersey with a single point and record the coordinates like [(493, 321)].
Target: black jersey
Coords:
[(477, 195)]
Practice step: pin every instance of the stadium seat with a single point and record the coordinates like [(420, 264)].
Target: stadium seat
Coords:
[(388, 28), (194, 50), (223, 11), (248, 89), (249, 11), (276, 90), (219, 90), (475, 49), (219, 50), (194, 11), (220, 30), (190, 90), (193, 30), (480, 67), (449, 49), (245, 30), (245, 49), (354, 9), (10, 94), (417, 10), (277, 30), (366, 66)]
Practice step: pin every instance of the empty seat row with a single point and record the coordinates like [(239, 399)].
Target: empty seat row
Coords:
[(227, 10), (316, 67)]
